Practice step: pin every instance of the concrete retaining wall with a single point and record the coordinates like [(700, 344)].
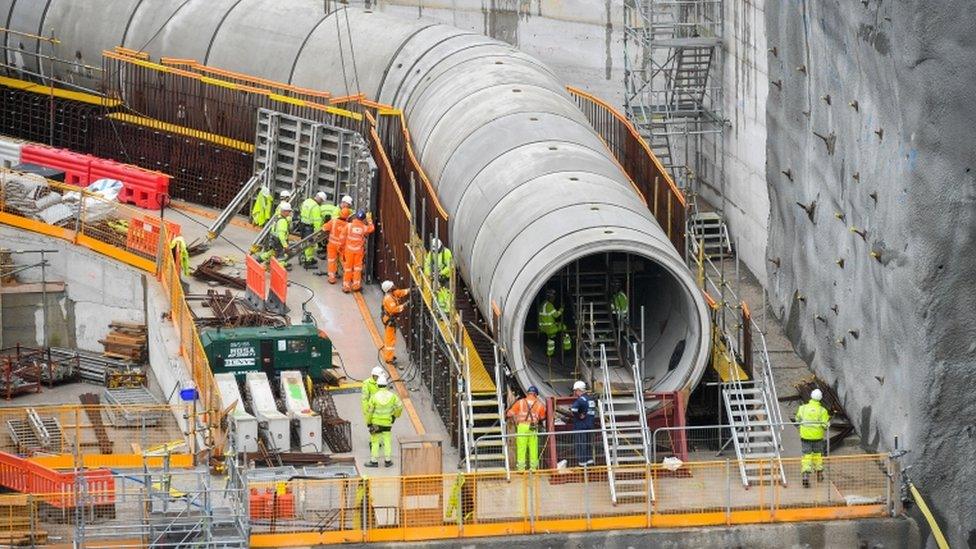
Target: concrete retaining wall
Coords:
[(98, 292)]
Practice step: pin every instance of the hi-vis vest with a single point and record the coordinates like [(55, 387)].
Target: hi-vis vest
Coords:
[(384, 406), (814, 420), (547, 316), (524, 411)]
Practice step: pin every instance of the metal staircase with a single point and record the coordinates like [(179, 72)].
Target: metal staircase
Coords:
[(755, 433), (483, 422), (626, 444), (709, 231), (591, 295), (689, 79)]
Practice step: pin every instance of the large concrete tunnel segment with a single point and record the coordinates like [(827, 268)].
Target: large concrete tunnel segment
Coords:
[(527, 183)]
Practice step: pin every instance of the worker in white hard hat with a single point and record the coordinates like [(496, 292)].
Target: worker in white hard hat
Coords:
[(438, 268), (278, 238), (584, 417), (261, 209), (384, 407), (814, 421), (284, 197), (393, 306), (346, 202), (370, 387)]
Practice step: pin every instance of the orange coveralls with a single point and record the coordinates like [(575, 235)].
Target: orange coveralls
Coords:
[(337, 229), (391, 310), (355, 250)]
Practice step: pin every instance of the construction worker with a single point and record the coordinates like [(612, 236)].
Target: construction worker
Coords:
[(370, 387), (283, 198), (392, 307), (440, 261), (355, 250), (584, 417), (551, 325), (261, 210), (814, 421), (383, 409), (527, 413), (278, 239), (310, 216), (346, 202), (336, 227), (181, 257), (619, 305)]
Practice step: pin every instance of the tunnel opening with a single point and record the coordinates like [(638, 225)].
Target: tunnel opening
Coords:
[(578, 311)]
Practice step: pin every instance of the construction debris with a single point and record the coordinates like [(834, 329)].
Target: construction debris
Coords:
[(125, 341), (94, 368), (336, 431), (840, 423), (230, 311), (92, 410), (210, 270)]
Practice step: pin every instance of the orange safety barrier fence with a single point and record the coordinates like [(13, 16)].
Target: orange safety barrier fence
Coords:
[(59, 488), (468, 505)]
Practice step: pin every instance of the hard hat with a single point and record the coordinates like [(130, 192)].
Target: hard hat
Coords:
[(284, 194), (532, 389), (435, 244), (361, 214), (378, 371), (579, 386), (264, 190), (285, 206), (387, 285), (347, 200), (320, 196), (382, 381), (551, 291), (816, 394)]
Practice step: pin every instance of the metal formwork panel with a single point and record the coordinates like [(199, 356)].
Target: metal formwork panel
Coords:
[(306, 157)]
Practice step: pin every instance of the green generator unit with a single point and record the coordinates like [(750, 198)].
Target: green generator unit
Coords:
[(301, 347)]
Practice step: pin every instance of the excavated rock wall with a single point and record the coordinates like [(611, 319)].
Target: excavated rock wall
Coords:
[(872, 230)]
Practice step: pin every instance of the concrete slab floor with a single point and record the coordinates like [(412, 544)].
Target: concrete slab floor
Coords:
[(345, 321)]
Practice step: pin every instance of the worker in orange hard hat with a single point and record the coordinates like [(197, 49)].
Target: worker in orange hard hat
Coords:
[(392, 307), (360, 227), (336, 227)]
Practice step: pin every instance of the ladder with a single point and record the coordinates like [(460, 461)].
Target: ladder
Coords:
[(626, 444), (754, 435), (709, 231)]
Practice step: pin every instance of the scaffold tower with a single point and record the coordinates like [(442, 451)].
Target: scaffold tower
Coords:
[(673, 79)]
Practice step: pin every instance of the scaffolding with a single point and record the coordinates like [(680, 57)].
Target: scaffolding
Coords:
[(673, 79)]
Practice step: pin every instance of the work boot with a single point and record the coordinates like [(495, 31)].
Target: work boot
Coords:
[(806, 480), (819, 476), (332, 279), (372, 464), (345, 289), (389, 463)]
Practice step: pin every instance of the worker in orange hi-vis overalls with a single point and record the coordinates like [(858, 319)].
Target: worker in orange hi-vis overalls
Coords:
[(355, 250), (392, 307), (336, 228)]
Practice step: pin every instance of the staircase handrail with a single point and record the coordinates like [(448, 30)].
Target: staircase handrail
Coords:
[(499, 396), (639, 404), (609, 449)]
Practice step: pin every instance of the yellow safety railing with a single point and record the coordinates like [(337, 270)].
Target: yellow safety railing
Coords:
[(467, 505)]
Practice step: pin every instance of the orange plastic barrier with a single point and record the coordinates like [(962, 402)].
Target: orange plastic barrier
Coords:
[(268, 505), (279, 285), (256, 279), (144, 188), (55, 487), (143, 233)]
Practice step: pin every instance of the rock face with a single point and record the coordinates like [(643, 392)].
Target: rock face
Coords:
[(871, 170)]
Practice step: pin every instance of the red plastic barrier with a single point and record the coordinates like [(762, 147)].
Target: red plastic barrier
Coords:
[(144, 188), (55, 487), (143, 233), (76, 167)]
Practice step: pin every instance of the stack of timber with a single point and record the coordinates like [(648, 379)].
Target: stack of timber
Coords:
[(125, 341)]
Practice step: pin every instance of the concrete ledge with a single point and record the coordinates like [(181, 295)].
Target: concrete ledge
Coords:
[(874, 533)]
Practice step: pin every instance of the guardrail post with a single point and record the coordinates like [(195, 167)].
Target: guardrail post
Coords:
[(728, 492)]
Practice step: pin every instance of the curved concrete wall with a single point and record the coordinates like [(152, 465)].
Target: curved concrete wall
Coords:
[(527, 183)]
